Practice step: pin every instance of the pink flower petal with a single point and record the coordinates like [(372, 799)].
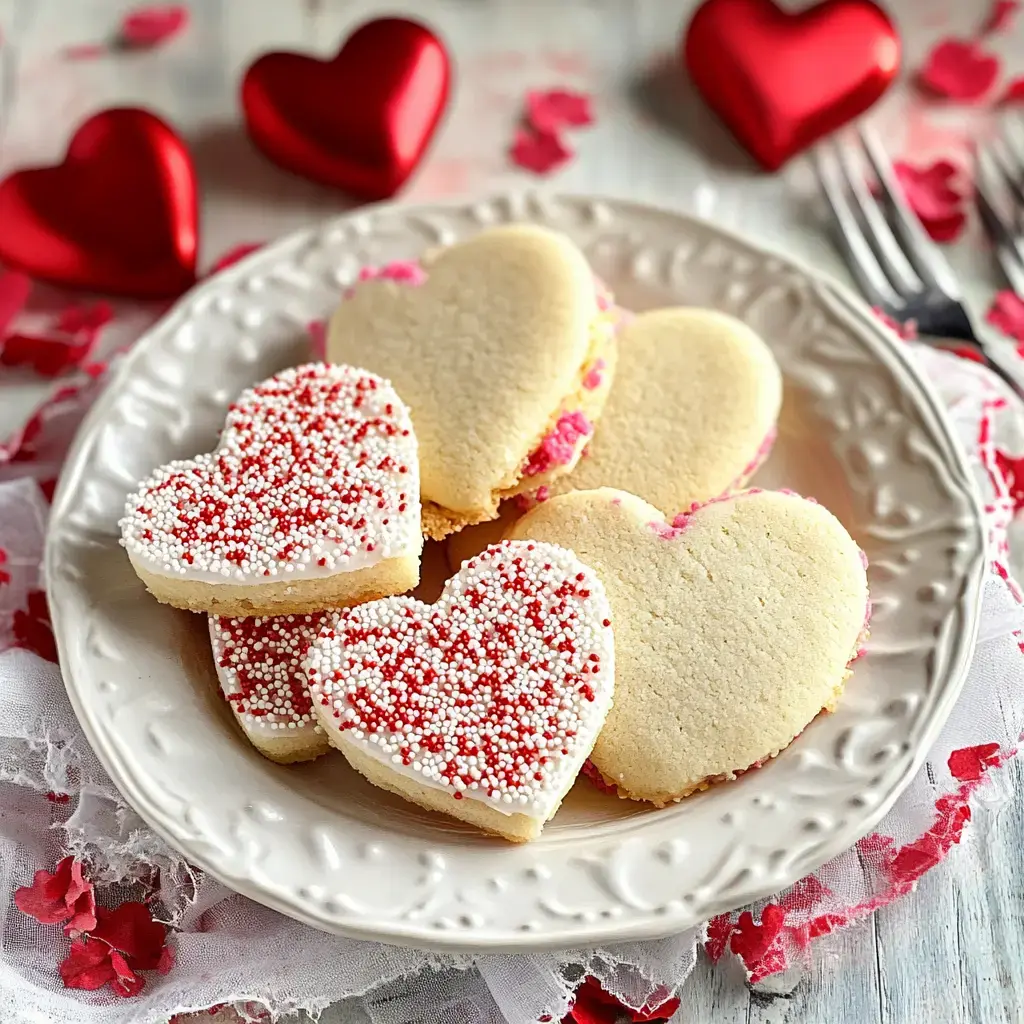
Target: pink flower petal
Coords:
[(127, 983), (49, 357), (999, 16), (44, 898), (74, 318), (932, 196), (131, 930), (1007, 314), (14, 292), (540, 152), (959, 70), (551, 110), (146, 27), (166, 961), (233, 255)]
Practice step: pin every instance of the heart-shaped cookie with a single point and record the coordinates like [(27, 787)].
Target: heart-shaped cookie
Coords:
[(691, 414), (734, 626), (494, 352), (259, 663), (484, 705), (311, 501)]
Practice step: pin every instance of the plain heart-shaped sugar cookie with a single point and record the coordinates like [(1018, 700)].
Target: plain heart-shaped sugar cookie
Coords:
[(484, 705), (504, 354), (691, 414), (310, 501), (734, 626), (259, 664)]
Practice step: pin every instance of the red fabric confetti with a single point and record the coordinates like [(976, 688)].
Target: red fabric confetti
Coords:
[(933, 197), (540, 152), (233, 255), (5, 576), (959, 70), (14, 292), (65, 895), (1007, 314), (999, 16), (49, 357), (970, 763), (74, 319), (146, 27), (549, 111), (87, 966)]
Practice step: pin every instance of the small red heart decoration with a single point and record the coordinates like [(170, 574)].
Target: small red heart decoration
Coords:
[(361, 121), (781, 81), (119, 215)]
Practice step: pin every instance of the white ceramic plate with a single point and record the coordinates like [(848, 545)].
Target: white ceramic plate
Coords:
[(860, 431)]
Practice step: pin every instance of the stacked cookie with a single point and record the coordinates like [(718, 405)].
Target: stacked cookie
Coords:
[(491, 398)]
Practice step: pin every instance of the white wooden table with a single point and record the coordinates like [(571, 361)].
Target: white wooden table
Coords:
[(953, 952)]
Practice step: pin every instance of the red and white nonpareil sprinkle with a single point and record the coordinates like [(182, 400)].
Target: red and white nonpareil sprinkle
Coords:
[(259, 662), (316, 474), (495, 693)]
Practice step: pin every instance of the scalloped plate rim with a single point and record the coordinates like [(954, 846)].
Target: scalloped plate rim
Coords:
[(862, 320)]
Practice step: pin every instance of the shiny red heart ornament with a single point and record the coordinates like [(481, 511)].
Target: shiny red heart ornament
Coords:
[(119, 215), (782, 80), (361, 121)]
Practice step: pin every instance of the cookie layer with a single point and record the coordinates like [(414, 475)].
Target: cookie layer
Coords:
[(691, 413), (490, 352), (310, 501), (259, 665), (734, 627), (483, 705)]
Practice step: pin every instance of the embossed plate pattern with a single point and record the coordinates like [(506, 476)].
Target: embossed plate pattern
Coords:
[(860, 431)]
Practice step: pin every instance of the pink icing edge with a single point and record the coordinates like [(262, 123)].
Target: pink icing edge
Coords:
[(407, 272), (593, 378), (558, 447), (759, 459)]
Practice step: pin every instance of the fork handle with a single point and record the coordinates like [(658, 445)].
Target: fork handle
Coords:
[(984, 354)]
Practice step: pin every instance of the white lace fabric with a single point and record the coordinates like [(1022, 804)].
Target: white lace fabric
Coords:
[(230, 950)]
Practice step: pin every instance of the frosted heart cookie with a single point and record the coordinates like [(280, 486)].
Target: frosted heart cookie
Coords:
[(259, 664), (692, 412), (503, 346), (484, 705), (310, 501), (734, 627)]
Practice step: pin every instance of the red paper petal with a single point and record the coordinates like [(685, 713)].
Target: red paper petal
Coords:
[(130, 928), (166, 961), (146, 27), (1007, 314), (14, 292), (32, 633), (44, 899), (907, 331), (1014, 91), (932, 195), (551, 110), (127, 983), (970, 763), (85, 318), (999, 16), (87, 965), (38, 608), (540, 152), (959, 70), (233, 255), (49, 357)]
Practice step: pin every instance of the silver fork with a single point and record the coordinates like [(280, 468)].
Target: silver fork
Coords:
[(999, 175), (898, 267)]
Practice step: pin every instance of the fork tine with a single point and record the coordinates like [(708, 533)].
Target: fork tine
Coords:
[(879, 234), (922, 252), (1008, 249), (859, 256)]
